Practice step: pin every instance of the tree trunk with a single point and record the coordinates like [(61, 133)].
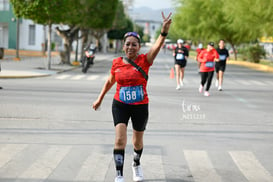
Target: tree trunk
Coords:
[(67, 50), (104, 44), (17, 37), (98, 34), (234, 51), (117, 46), (68, 37), (77, 45), (84, 41), (44, 42), (49, 47)]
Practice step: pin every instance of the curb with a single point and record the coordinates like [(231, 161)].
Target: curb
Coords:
[(254, 66), (31, 73), (22, 76)]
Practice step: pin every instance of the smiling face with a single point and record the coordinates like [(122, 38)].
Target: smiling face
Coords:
[(131, 47)]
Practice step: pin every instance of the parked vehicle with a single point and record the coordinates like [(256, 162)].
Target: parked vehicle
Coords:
[(88, 59)]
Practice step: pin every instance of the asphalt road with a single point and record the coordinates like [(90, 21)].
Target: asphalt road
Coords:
[(48, 131)]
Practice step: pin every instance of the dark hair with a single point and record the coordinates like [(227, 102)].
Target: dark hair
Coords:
[(211, 44), (134, 34)]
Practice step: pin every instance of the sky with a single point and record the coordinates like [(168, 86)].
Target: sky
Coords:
[(154, 4)]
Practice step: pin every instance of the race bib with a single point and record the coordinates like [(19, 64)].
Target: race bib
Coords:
[(132, 94), (222, 57), (179, 56), (209, 64)]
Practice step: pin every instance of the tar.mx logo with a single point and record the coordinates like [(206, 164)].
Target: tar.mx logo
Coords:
[(191, 111)]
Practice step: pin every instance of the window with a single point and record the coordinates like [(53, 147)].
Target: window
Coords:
[(31, 35), (4, 5)]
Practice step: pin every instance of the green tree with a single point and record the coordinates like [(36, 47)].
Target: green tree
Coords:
[(202, 21), (253, 18), (90, 17), (121, 25), (77, 14), (104, 16), (42, 12), (250, 20), (117, 33)]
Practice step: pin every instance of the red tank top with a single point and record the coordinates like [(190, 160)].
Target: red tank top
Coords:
[(131, 85)]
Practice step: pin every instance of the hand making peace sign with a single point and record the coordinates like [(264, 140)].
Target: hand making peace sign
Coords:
[(166, 22)]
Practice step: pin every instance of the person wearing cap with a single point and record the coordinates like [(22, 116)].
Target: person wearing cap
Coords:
[(180, 54), (131, 98), (220, 66), (207, 59), (198, 51)]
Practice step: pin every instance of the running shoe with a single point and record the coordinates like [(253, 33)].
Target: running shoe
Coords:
[(137, 173), (178, 87), (220, 88), (119, 179), (206, 93), (216, 83), (201, 89)]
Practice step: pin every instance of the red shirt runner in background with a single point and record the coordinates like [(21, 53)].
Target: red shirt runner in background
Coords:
[(207, 58)]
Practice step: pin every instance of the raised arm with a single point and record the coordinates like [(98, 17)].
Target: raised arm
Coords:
[(161, 38)]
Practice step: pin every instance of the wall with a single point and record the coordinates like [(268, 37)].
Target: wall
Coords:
[(24, 36), (8, 25)]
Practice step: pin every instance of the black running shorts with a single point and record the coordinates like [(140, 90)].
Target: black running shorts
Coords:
[(182, 64), (123, 112), (220, 66)]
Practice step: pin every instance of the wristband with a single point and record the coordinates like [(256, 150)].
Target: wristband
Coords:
[(164, 34)]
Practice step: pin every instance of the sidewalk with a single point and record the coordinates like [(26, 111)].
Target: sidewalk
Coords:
[(29, 67)]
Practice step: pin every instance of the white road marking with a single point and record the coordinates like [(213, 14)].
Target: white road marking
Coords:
[(94, 168), (78, 77), (243, 82), (44, 166), (8, 152), (152, 167), (254, 82), (93, 77), (250, 166), (201, 167), (62, 77)]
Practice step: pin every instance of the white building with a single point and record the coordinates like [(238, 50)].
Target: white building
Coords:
[(31, 35)]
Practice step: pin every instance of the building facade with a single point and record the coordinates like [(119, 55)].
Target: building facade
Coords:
[(31, 36), (7, 25), (150, 27)]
